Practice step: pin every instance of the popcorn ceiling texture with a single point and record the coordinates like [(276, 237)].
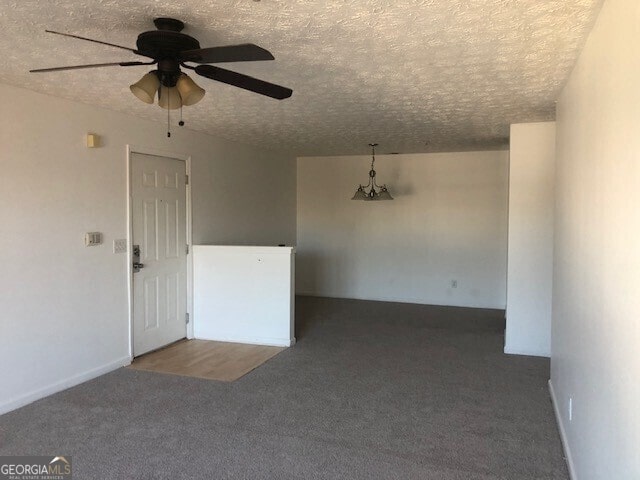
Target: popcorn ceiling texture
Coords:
[(402, 73)]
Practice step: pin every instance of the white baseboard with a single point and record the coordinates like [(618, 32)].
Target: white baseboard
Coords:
[(523, 351), (563, 433), (27, 398), (393, 299), (270, 342)]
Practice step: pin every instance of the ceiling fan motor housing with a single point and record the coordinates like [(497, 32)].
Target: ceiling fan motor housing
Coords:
[(165, 45), (159, 44)]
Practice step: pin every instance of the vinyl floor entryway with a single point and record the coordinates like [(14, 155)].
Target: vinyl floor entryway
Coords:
[(221, 361)]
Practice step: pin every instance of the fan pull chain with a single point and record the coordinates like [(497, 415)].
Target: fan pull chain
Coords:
[(168, 115), (181, 122)]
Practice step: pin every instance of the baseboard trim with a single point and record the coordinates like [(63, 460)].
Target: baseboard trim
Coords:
[(22, 400), (530, 353), (269, 342), (415, 301), (563, 433)]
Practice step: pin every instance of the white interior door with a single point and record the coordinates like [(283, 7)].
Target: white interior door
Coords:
[(158, 197)]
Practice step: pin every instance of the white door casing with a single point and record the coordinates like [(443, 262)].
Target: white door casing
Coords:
[(159, 226)]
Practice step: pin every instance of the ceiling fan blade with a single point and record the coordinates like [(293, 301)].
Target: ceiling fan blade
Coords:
[(244, 81), (246, 52), (93, 65), (92, 40)]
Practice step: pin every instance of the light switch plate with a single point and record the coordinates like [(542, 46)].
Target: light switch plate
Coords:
[(92, 238), (120, 245)]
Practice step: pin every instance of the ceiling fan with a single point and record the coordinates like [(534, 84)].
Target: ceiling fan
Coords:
[(169, 49)]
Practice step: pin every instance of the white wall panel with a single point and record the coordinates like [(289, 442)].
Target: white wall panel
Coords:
[(530, 259), (244, 294), (596, 285)]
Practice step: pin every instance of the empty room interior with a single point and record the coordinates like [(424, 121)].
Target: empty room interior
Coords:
[(284, 239)]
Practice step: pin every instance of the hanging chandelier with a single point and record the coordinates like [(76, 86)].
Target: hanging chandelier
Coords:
[(381, 193)]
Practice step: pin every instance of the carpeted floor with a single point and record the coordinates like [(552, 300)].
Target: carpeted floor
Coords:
[(371, 391)]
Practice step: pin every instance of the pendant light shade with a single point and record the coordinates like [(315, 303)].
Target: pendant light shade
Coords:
[(189, 91), (372, 193), (145, 88), (360, 194), (169, 98), (384, 194)]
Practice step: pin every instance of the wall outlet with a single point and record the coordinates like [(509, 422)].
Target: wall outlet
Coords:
[(454, 283), (120, 245), (570, 408)]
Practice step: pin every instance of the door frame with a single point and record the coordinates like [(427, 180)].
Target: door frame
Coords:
[(131, 149)]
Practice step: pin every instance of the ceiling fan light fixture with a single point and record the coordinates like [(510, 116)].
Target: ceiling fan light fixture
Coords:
[(169, 98), (145, 88), (169, 49), (189, 91)]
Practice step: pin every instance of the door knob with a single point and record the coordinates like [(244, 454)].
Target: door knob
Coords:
[(137, 266)]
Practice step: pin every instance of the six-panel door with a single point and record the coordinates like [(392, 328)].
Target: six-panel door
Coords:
[(159, 229)]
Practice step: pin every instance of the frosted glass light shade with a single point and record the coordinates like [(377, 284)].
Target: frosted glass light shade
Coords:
[(384, 194), (145, 88), (189, 91), (360, 194), (169, 98)]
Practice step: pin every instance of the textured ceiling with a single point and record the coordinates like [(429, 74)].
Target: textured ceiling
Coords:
[(412, 75)]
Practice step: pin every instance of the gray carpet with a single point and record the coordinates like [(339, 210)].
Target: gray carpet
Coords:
[(372, 390)]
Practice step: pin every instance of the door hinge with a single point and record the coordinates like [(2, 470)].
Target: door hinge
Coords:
[(186, 179), (186, 249), (186, 318)]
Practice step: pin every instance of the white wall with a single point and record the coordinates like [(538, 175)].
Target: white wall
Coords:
[(530, 258), (448, 222), (64, 306), (244, 294), (595, 356)]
